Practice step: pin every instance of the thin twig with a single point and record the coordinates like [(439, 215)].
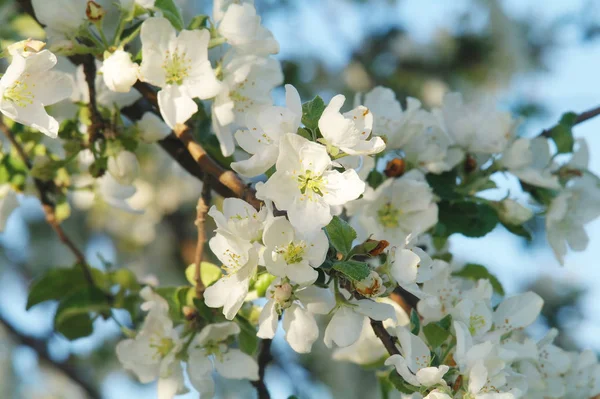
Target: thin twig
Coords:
[(385, 337), (46, 190), (40, 347), (201, 211), (264, 358), (582, 117)]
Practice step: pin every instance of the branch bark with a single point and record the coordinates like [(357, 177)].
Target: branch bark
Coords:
[(201, 211), (95, 128), (264, 358), (40, 347)]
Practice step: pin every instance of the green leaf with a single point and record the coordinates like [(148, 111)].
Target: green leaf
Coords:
[(58, 283), (131, 32), (171, 12), (435, 334), (415, 322), (446, 322), (198, 22), (352, 269), (247, 338), (468, 218), (209, 273), (204, 311), (125, 278), (340, 235), (519, 230), (374, 179), (444, 185), (562, 134), (70, 318), (401, 385), (312, 111), (475, 272), (305, 133)]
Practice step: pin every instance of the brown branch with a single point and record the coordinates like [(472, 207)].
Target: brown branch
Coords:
[(385, 337), (201, 211), (97, 125), (40, 347), (46, 191), (226, 178), (264, 358), (582, 117)]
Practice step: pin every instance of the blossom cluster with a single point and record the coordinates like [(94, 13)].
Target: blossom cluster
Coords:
[(354, 206)]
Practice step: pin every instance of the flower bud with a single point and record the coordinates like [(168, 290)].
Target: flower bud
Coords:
[(152, 128), (395, 168), (123, 167), (511, 212), (94, 11), (380, 246), (371, 286), (282, 293), (189, 313), (119, 72)]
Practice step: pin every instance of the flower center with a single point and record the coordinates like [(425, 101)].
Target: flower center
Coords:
[(19, 94), (388, 216), (163, 346), (475, 323), (216, 349), (176, 66), (311, 183), (293, 253)]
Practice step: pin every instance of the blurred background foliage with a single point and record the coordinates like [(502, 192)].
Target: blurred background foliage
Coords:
[(327, 47)]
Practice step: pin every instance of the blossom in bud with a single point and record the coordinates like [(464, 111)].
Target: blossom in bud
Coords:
[(152, 128), (119, 72), (282, 293), (371, 286), (94, 11), (123, 167)]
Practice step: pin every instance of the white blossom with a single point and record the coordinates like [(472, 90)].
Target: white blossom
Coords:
[(123, 167), (348, 132), (305, 185), (28, 86), (290, 254), (179, 65), (242, 29), (208, 350), (152, 128), (263, 133)]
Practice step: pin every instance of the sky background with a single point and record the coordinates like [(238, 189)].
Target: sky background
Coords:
[(330, 30)]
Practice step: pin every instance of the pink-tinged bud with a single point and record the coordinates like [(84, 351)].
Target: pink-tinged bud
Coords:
[(282, 293)]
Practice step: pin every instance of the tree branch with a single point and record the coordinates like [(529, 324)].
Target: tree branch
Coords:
[(40, 348), (264, 358), (201, 211), (582, 117), (46, 190), (95, 128), (384, 336)]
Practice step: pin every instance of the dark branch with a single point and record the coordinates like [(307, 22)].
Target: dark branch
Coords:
[(264, 358), (40, 347), (582, 117), (384, 336)]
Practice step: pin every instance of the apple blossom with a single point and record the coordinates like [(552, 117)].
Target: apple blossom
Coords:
[(305, 185), (241, 27), (152, 128), (264, 132), (179, 65), (28, 86), (348, 132), (123, 167)]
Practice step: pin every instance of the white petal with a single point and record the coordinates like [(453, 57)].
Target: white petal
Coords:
[(301, 329), (216, 333), (375, 310), (268, 320), (518, 311), (175, 105), (316, 300), (236, 364), (344, 328)]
